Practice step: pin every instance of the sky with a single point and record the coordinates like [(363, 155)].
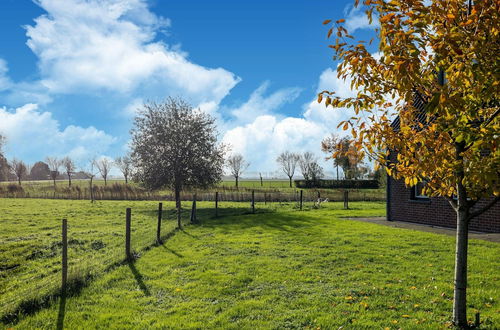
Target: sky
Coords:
[(74, 72)]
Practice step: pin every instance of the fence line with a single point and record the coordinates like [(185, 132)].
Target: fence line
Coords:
[(138, 235)]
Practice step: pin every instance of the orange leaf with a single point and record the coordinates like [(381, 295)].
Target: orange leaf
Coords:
[(326, 21), (346, 126), (341, 20)]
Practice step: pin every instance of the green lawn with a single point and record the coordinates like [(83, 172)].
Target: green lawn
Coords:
[(282, 268)]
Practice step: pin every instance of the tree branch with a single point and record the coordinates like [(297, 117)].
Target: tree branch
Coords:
[(452, 202), (484, 209)]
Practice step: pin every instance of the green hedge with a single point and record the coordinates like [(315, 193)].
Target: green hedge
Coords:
[(332, 184)]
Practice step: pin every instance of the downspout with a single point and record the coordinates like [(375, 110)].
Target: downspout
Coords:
[(388, 197)]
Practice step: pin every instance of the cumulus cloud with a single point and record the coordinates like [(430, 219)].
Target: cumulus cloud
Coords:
[(356, 19), (32, 133), (259, 104), (89, 45), (4, 78), (262, 139)]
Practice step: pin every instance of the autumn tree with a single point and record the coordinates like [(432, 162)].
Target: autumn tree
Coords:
[(174, 145), (54, 166), (19, 169), (104, 165), (69, 167), (237, 165), (437, 73), (124, 164), (288, 162)]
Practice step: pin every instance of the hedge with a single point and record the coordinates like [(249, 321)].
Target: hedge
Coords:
[(346, 184)]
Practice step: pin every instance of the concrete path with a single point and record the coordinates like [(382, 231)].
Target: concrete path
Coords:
[(492, 237)]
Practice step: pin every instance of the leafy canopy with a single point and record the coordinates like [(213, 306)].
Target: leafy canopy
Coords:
[(443, 54)]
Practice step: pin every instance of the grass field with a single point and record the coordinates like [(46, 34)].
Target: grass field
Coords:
[(117, 190), (282, 268)]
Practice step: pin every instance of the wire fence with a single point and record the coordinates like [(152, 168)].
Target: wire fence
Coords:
[(95, 248)]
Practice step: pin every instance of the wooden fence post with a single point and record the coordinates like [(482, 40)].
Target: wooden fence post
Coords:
[(216, 204), (346, 199), (64, 255), (253, 201), (158, 228), (193, 210), (265, 199), (301, 195), (128, 220)]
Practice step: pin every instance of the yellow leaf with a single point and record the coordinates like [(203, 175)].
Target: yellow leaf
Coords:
[(394, 321), (406, 316), (450, 16), (320, 98)]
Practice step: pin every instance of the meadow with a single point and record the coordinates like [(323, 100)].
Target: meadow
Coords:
[(278, 268), (272, 190)]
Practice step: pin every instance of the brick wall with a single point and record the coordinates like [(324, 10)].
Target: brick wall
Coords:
[(434, 211)]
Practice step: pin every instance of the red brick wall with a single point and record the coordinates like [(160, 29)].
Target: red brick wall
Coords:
[(435, 211)]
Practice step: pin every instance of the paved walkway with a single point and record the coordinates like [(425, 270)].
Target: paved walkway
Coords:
[(492, 237)]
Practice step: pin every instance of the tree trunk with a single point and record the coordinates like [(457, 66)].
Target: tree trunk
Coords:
[(91, 192), (105, 181), (236, 181), (462, 209), (54, 179), (178, 206), (337, 173), (126, 179), (69, 179), (460, 291), (290, 181)]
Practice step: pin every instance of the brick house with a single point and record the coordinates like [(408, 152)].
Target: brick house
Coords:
[(408, 204)]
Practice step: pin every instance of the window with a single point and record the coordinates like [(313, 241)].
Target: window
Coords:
[(416, 191)]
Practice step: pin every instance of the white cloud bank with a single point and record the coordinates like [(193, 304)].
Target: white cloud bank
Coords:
[(32, 132), (263, 137), (89, 45)]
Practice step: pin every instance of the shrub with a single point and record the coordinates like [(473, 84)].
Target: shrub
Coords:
[(331, 184)]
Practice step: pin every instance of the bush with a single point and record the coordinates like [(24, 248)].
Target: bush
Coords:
[(332, 184)]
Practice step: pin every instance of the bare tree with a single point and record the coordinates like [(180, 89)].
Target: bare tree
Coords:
[(288, 162), (69, 167), (19, 169), (237, 165), (54, 165), (174, 145), (125, 165), (4, 164), (104, 166), (311, 170), (90, 170)]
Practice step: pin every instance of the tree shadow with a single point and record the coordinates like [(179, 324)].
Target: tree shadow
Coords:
[(138, 278)]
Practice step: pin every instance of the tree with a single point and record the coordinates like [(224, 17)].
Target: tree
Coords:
[(40, 171), (19, 169), (237, 165), (174, 145), (90, 170), (54, 165), (288, 162), (443, 54), (4, 164), (124, 164), (311, 170), (69, 167), (104, 166)]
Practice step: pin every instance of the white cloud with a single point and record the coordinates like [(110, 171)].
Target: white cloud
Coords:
[(32, 134), (258, 104), (4, 78), (356, 19), (89, 45)]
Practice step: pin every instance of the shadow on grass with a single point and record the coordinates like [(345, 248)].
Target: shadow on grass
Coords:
[(172, 251), (138, 278), (62, 312)]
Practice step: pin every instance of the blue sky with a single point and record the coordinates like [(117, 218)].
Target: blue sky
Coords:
[(73, 72)]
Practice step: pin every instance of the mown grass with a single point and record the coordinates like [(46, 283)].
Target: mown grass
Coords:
[(286, 269)]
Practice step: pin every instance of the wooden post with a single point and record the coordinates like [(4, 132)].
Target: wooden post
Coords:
[(477, 321), (253, 201), (346, 199), (158, 228), (216, 204), (319, 195), (64, 255), (193, 210), (301, 195), (265, 199), (128, 219)]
